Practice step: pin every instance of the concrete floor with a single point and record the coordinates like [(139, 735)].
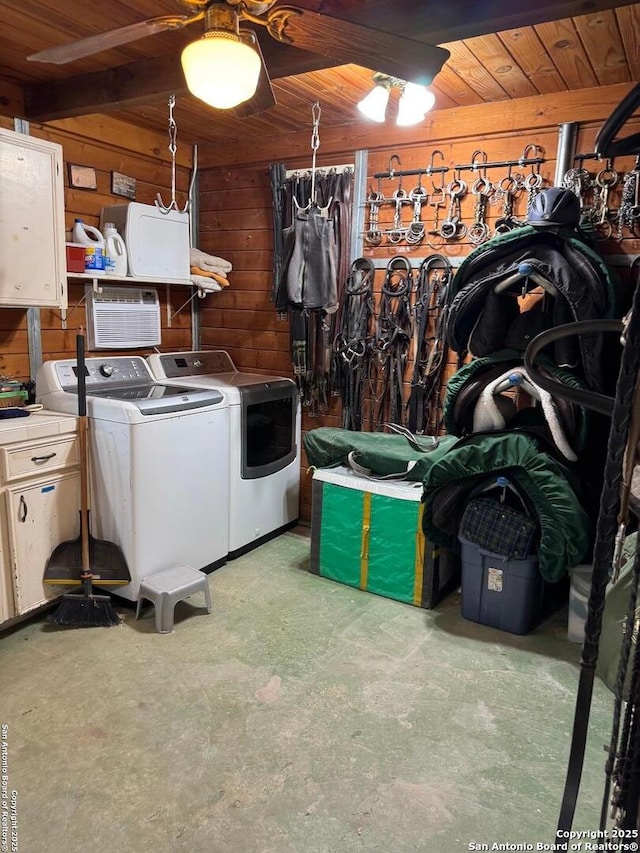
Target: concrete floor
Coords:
[(301, 716)]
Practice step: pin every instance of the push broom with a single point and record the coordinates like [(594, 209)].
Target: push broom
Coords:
[(85, 559)]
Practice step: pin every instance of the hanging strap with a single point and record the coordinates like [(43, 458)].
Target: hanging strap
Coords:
[(352, 344), (615, 755), (278, 174), (603, 554), (393, 338), (431, 309)]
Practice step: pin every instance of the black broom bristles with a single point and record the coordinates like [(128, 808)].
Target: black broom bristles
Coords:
[(82, 611)]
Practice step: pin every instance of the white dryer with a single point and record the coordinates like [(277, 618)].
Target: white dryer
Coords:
[(159, 484), (264, 450)]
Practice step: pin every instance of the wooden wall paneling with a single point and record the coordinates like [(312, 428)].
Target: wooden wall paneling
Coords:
[(232, 298), (119, 134), (14, 359), (236, 223)]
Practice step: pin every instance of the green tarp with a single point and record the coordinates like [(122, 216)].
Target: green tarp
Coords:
[(382, 454)]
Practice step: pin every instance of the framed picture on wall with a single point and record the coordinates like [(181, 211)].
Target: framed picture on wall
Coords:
[(123, 185), (82, 177)]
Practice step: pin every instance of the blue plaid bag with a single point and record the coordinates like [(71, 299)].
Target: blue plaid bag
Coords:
[(498, 528)]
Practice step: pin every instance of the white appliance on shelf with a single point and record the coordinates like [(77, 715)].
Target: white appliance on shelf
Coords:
[(121, 317), (158, 243), (159, 483), (264, 451)]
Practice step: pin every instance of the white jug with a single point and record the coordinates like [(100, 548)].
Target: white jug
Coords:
[(115, 250), (93, 241)]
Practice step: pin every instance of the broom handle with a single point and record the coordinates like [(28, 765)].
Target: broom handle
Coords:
[(83, 431)]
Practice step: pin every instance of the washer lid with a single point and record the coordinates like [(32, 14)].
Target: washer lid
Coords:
[(151, 398)]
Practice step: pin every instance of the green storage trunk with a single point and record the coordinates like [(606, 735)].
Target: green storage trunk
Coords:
[(368, 534)]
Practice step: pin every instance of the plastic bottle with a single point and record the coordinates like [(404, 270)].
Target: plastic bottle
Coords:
[(93, 241), (115, 251)]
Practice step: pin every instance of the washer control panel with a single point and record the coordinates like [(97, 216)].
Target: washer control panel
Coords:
[(119, 370)]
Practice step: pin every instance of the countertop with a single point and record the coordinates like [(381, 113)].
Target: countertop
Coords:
[(42, 424)]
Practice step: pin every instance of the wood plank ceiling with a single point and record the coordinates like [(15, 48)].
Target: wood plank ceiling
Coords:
[(532, 53)]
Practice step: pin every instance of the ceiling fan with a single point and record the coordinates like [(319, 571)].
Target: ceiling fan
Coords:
[(342, 41)]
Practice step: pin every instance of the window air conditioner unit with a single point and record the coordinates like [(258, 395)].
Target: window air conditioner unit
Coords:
[(122, 317)]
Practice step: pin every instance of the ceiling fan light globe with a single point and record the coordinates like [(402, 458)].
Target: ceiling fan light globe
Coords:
[(221, 69), (415, 102), (374, 105)]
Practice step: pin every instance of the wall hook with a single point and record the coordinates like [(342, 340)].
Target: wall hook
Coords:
[(483, 163), (390, 168), (537, 152), (431, 167)]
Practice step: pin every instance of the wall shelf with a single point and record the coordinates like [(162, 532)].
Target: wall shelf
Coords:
[(115, 279)]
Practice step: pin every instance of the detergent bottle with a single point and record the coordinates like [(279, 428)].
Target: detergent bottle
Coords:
[(115, 251), (93, 243)]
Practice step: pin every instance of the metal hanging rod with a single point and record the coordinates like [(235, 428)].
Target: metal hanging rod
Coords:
[(591, 156), (321, 170), (401, 173), (474, 167), (496, 164)]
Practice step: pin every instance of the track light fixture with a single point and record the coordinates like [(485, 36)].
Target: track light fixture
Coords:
[(415, 101)]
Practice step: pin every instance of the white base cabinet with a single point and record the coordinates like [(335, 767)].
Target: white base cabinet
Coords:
[(41, 515), (39, 506)]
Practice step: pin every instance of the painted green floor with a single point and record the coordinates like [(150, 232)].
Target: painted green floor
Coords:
[(301, 716)]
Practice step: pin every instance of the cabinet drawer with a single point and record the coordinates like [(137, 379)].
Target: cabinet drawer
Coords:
[(29, 459)]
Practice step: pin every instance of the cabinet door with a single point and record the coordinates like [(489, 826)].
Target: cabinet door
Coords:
[(7, 609), (33, 268), (41, 516)]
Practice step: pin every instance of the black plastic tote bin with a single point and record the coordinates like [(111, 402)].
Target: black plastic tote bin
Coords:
[(505, 594)]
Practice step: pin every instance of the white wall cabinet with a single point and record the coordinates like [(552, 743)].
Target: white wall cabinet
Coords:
[(39, 506), (32, 238)]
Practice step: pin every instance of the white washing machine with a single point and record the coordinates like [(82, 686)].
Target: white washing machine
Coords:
[(264, 485), (159, 483)]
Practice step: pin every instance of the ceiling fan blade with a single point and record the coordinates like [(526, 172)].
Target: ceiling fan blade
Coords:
[(347, 42), (264, 97), (62, 53)]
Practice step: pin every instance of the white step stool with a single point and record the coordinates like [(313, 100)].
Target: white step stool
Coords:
[(166, 588)]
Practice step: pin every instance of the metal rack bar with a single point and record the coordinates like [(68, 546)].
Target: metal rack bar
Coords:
[(590, 156), (496, 164), (401, 173), (320, 170)]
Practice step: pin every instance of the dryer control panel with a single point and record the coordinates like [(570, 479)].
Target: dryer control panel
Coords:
[(177, 365)]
